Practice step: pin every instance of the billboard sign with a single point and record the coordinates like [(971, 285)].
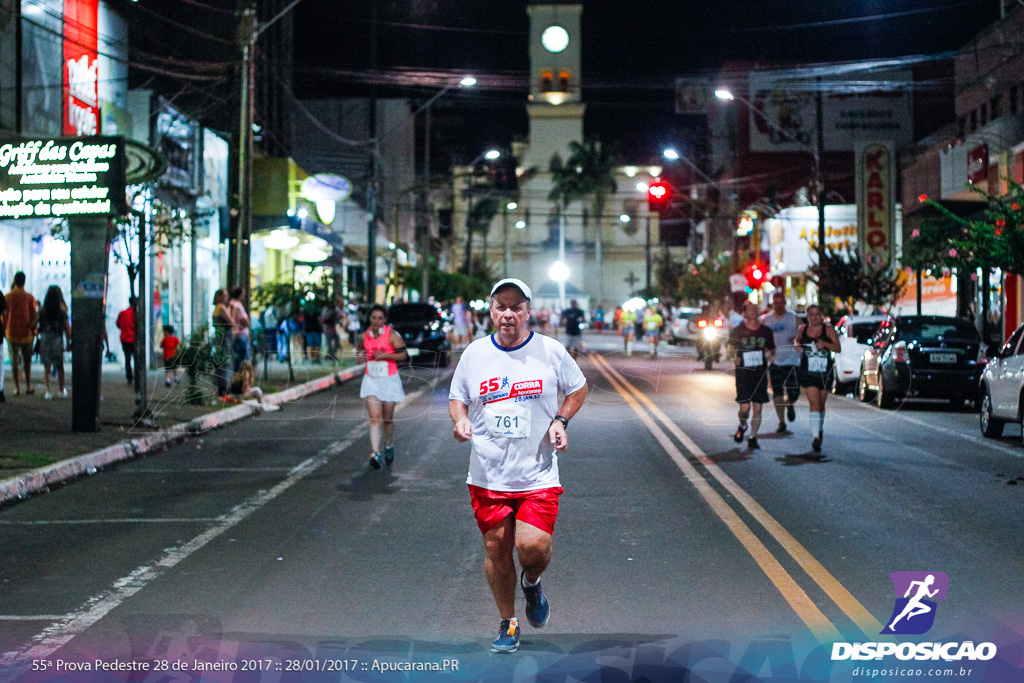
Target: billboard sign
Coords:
[(876, 203), (60, 177), (81, 68), (783, 113)]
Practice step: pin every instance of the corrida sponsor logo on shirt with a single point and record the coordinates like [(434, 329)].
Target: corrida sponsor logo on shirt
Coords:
[(500, 389)]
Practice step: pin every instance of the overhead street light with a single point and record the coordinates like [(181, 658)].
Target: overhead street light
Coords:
[(815, 152), (423, 199)]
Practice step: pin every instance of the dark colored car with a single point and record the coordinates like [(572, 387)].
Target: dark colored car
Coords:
[(425, 333), (924, 356)]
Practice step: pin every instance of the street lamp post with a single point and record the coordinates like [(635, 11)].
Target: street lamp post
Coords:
[(422, 236), (815, 152)]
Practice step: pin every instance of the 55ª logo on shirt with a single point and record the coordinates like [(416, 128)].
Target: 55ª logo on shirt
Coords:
[(495, 389)]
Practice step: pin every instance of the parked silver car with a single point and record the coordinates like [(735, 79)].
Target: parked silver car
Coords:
[(1002, 386), (854, 333)]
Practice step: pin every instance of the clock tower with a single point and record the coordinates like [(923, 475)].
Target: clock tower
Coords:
[(555, 109)]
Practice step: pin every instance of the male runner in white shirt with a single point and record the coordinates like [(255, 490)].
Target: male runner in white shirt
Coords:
[(504, 400)]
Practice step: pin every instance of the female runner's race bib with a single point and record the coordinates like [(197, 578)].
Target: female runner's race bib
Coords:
[(510, 420), (753, 359), (817, 361), (377, 368)]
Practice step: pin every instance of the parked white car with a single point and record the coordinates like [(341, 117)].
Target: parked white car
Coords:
[(1002, 386), (854, 332)]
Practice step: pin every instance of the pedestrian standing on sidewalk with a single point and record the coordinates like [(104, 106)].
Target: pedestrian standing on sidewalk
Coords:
[(380, 348), (513, 466), (753, 347), (3, 309), (20, 324), (331, 316), (239, 327), (169, 346), (222, 340), (354, 324), (126, 323), (54, 326), (314, 332)]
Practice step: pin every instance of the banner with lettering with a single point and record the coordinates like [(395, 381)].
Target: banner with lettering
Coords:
[(81, 68), (876, 203), (59, 177)]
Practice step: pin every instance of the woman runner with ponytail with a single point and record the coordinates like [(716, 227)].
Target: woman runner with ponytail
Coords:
[(817, 341)]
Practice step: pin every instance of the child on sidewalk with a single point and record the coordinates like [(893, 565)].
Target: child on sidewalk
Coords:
[(170, 346)]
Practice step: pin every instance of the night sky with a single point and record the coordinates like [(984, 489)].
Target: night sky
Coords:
[(633, 51)]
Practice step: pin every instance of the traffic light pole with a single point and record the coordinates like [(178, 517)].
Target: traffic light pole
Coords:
[(647, 249)]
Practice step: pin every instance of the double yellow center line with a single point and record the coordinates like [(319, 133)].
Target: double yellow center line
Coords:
[(816, 621)]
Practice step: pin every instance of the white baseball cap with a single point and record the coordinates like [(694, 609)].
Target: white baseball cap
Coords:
[(519, 284)]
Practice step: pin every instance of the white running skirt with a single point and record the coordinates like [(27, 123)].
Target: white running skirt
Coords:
[(387, 389)]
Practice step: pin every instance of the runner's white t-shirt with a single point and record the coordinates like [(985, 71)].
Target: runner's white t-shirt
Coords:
[(512, 395)]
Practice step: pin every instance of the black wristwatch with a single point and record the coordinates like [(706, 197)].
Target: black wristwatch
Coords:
[(563, 420)]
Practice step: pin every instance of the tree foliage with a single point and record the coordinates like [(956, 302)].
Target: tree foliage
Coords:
[(447, 286), (994, 240), (697, 283), (843, 276)]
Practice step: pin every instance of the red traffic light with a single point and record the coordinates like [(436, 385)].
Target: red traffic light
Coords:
[(757, 275), (659, 196)]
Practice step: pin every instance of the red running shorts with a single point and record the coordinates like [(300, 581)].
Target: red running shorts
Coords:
[(537, 508)]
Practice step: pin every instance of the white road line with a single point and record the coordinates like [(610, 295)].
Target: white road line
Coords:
[(70, 625), (205, 470), (127, 520), (31, 617), (980, 440)]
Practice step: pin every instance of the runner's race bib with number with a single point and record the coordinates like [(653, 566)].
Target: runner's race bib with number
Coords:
[(377, 368), (753, 359), (509, 420), (817, 361)]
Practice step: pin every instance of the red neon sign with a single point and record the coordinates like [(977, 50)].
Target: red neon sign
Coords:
[(81, 68)]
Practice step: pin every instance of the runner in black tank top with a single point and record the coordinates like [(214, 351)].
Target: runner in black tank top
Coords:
[(814, 368)]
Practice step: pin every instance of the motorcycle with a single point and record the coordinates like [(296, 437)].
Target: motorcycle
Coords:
[(709, 340)]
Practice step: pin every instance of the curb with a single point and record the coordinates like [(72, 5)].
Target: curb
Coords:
[(40, 480)]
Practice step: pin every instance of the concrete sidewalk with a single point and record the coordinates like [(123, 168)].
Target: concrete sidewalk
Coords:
[(38, 448)]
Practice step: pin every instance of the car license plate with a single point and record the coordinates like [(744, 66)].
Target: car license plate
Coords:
[(412, 352), (942, 357)]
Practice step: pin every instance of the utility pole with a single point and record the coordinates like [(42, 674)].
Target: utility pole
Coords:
[(371, 190), (424, 246), (647, 250), (241, 211)]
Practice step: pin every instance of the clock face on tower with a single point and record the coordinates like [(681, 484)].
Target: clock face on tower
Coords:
[(554, 39)]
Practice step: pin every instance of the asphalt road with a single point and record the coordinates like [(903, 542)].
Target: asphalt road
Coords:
[(271, 546)]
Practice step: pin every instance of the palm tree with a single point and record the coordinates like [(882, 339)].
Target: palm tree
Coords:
[(593, 167), (478, 219)]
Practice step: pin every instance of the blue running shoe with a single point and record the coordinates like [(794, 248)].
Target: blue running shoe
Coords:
[(375, 461), (537, 609), (389, 454), (507, 641)]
